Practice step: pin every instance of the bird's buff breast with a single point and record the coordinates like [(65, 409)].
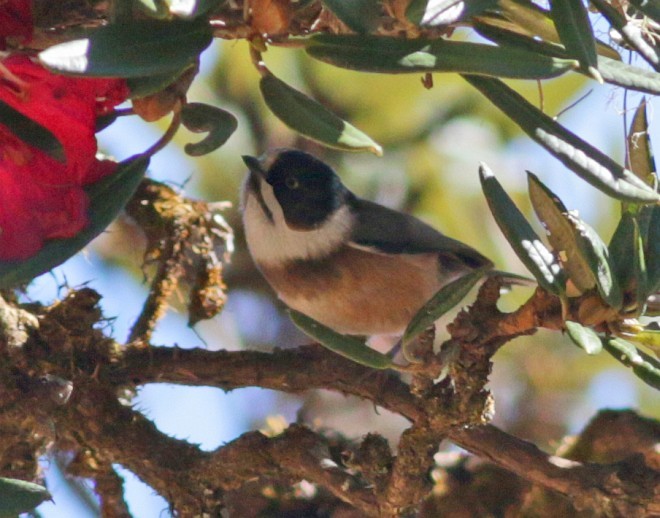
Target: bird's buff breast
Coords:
[(356, 291)]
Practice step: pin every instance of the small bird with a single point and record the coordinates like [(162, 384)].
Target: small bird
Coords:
[(351, 264)]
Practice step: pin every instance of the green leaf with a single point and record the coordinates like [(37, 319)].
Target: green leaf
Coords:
[(31, 132), (536, 21), (652, 250), (347, 346), (582, 158), (644, 366), (630, 31), (311, 119), (433, 13), (584, 337), (627, 76), (148, 85), (595, 253), (626, 250), (134, 48), (387, 55), (649, 337), (18, 496), (520, 235), (202, 118), (362, 16), (572, 24), (552, 214), (444, 300), (107, 198), (506, 33)]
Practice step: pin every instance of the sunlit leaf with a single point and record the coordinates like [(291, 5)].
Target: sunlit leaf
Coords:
[(18, 496), (387, 55), (628, 76), (572, 24), (584, 337), (192, 8), (31, 132), (362, 16), (639, 151), (444, 300), (433, 13), (311, 119), (581, 157), (648, 337), (537, 21), (520, 235), (202, 118), (134, 48), (347, 346), (644, 366), (107, 198), (630, 30), (553, 215)]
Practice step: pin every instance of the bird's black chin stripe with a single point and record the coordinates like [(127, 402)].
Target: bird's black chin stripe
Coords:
[(255, 187)]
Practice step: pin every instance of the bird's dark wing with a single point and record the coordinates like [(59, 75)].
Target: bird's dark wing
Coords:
[(390, 232)]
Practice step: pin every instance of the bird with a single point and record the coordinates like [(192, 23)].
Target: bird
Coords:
[(353, 265)]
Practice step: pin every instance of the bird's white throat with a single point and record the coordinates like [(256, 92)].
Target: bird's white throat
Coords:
[(273, 242)]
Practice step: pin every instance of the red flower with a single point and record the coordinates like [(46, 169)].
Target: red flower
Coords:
[(15, 21), (40, 197)]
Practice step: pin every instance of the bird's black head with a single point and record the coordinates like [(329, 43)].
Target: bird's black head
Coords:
[(307, 189)]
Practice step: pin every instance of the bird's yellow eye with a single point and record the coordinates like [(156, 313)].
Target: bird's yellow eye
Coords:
[(291, 182)]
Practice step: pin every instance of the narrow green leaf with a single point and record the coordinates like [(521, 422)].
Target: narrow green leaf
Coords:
[(107, 198), (347, 346), (584, 337), (574, 28), (644, 366), (582, 158), (504, 32), (362, 16), (537, 21), (520, 235), (202, 118), (552, 214), (31, 132), (311, 119), (434, 13), (387, 55), (652, 250), (444, 300), (630, 30), (627, 76), (626, 250), (18, 496), (134, 48), (595, 253)]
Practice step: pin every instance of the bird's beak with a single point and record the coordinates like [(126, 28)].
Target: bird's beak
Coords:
[(254, 165)]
